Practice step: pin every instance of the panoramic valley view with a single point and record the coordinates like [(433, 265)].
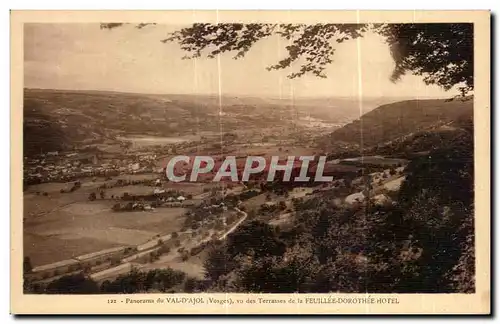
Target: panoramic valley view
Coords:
[(101, 215)]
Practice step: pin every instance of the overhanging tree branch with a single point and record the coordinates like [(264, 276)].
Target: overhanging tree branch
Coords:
[(440, 52)]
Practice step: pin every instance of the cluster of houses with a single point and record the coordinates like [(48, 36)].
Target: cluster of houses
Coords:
[(56, 167), (215, 207), (150, 206), (380, 185)]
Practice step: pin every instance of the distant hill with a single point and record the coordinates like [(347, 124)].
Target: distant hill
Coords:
[(62, 119), (426, 141), (403, 121)]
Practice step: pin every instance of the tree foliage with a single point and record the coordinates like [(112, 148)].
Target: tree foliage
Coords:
[(27, 267), (440, 52), (73, 284), (138, 281), (254, 237), (218, 263), (423, 244)]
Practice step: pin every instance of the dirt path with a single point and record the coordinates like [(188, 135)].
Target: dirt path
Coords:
[(232, 229)]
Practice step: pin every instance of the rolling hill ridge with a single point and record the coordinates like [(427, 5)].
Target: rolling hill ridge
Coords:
[(403, 121)]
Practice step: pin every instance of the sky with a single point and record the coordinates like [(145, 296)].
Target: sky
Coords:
[(84, 57)]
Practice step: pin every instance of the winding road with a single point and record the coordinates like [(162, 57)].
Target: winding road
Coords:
[(232, 229)]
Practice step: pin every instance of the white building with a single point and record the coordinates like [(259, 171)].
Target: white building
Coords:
[(157, 191), (355, 197)]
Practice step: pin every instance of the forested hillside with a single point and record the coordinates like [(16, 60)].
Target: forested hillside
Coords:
[(423, 243), (404, 118)]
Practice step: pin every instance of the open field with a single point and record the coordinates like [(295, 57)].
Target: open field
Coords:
[(43, 249), (274, 149), (61, 226), (144, 141), (67, 233), (55, 187), (131, 190), (137, 177), (193, 266)]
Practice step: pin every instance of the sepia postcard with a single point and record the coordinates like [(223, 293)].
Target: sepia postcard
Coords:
[(250, 162)]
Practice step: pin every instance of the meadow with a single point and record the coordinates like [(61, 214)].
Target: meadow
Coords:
[(59, 226)]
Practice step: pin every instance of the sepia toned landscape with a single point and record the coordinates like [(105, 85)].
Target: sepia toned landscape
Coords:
[(100, 216)]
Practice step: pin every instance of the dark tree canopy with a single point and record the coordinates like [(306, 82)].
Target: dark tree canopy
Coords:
[(27, 267), (73, 284), (440, 52)]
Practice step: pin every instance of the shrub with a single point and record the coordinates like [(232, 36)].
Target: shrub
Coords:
[(193, 285), (73, 284), (115, 261), (164, 249)]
